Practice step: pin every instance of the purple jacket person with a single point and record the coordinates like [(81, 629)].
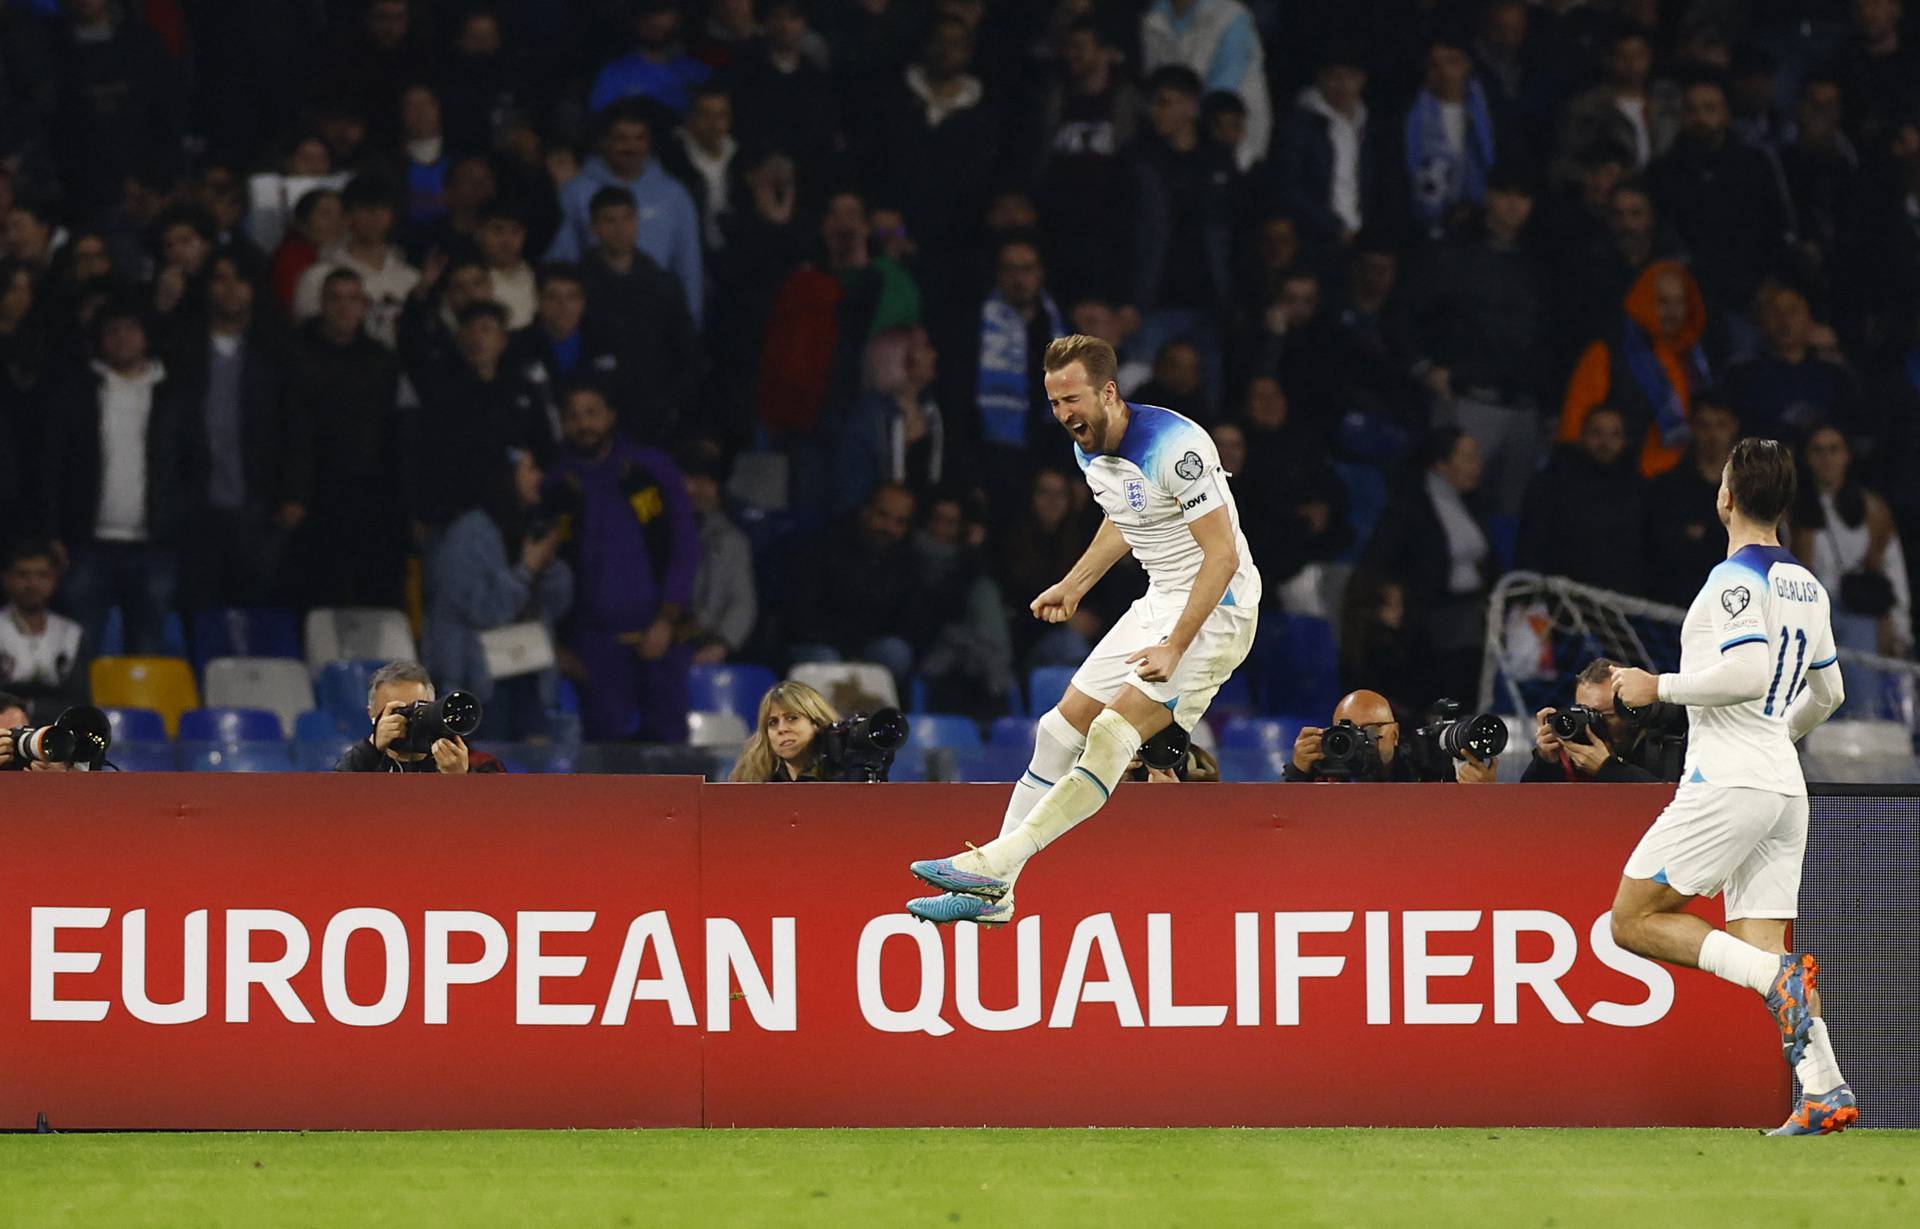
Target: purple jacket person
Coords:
[(634, 545)]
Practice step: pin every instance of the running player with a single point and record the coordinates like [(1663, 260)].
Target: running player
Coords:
[(1157, 478), (1757, 671)]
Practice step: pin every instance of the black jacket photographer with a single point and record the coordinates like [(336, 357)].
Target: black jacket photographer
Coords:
[(1611, 748), (1370, 714), (799, 737), (393, 688)]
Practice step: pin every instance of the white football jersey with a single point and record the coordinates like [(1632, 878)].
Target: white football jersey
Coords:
[(1759, 594), (1165, 473)]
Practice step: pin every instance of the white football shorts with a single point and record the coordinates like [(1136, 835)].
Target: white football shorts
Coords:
[(1223, 643), (1748, 843)]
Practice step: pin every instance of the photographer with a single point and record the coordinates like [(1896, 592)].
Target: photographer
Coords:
[(785, 746), (394, 689), (1370, 717), (13, 715), (1608, 746)]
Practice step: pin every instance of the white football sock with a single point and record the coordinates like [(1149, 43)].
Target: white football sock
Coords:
[(1056, 745), (1112, 743), (1819, 1071), (1739, 962)]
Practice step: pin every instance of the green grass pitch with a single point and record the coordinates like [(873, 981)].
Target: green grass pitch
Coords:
[(1106, 1178)]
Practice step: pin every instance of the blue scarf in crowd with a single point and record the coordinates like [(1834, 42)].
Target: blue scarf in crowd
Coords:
[(1669, 408), (1442, 176), (1005, 400)]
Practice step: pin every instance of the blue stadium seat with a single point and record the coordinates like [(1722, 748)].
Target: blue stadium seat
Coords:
[(566, 697), (321, 754), (135, 725), (233, 631), (1251, 765), (1045, 686), (142, 755), (1235, 697), (230, 725), (909, 764), (318, 725), (1503, 538), (113, 637), (342, 690), (734, 688), (1012, 732), (931, 730), (235, 757), (1366, 500), (990, 763), (1260, 734), (1297, 666)]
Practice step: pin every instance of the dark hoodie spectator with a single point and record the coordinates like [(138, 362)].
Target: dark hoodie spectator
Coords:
[(471, 413), (1587, 508), (346, 472), (1685, 539), (1091, 114), (1293, 506), (1726, 200), (896, 432), (1878, 69), (1649, 371), (1326, 168), (783, 99), (120, 103), (1797, 379)]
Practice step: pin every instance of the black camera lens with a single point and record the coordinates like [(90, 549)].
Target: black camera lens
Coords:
[(1567, 726), (887, 729), (460, 712), (1337, 743)]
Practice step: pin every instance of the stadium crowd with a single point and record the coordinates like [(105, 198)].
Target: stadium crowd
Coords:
[(709, 331)]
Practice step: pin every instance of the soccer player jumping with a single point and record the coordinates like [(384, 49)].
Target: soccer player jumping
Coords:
[(1157, 479), (1757, 671)]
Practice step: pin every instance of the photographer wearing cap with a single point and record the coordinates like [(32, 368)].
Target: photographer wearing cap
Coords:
[(13, 715), (1592, 740), (1365, 746), (398, 695)]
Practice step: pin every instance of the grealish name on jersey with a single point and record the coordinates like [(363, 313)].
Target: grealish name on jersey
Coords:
[(1759, 595), (1165, 474)]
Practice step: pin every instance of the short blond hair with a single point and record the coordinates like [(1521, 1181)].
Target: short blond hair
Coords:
[(1096, 355)]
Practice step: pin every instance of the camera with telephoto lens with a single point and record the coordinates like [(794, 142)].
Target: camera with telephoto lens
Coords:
[(1450, 734), (429, 721), (80, 735), (1573, 723), (861, 747), (1348, 752), (1167, 751)]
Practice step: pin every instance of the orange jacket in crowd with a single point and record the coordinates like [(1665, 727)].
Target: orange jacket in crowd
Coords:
[(1651, 374)]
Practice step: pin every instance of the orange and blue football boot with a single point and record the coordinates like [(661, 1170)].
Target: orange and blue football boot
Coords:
[(1788, 1002), (1826, 1114)]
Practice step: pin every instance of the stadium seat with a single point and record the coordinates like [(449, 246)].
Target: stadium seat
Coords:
[(1261, 733), (321, 752), (1002, 762), (233, 631), (723, 729), (1251, 765), (931, 730), (163, 684), (271, 756), (733, 688), (135, 725), (1366, 500), (566, 697), (1296, 665), (113, 638), (230, 725), (142, 755), (1045, 686), (1011, 732), (1503, 537), (279, 684), (850, 686), (341, 689), (345, 633), (319, 725)]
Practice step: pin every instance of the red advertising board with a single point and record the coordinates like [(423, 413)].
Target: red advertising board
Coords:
[(275, 951)]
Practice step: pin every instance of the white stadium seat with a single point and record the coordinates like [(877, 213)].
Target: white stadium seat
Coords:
[(278, 684), (358, 633)]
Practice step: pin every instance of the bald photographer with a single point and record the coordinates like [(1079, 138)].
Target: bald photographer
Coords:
[(1594, 739), (1364, 743)]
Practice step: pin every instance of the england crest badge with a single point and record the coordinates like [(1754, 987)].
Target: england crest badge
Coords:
[(1137, 494)]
